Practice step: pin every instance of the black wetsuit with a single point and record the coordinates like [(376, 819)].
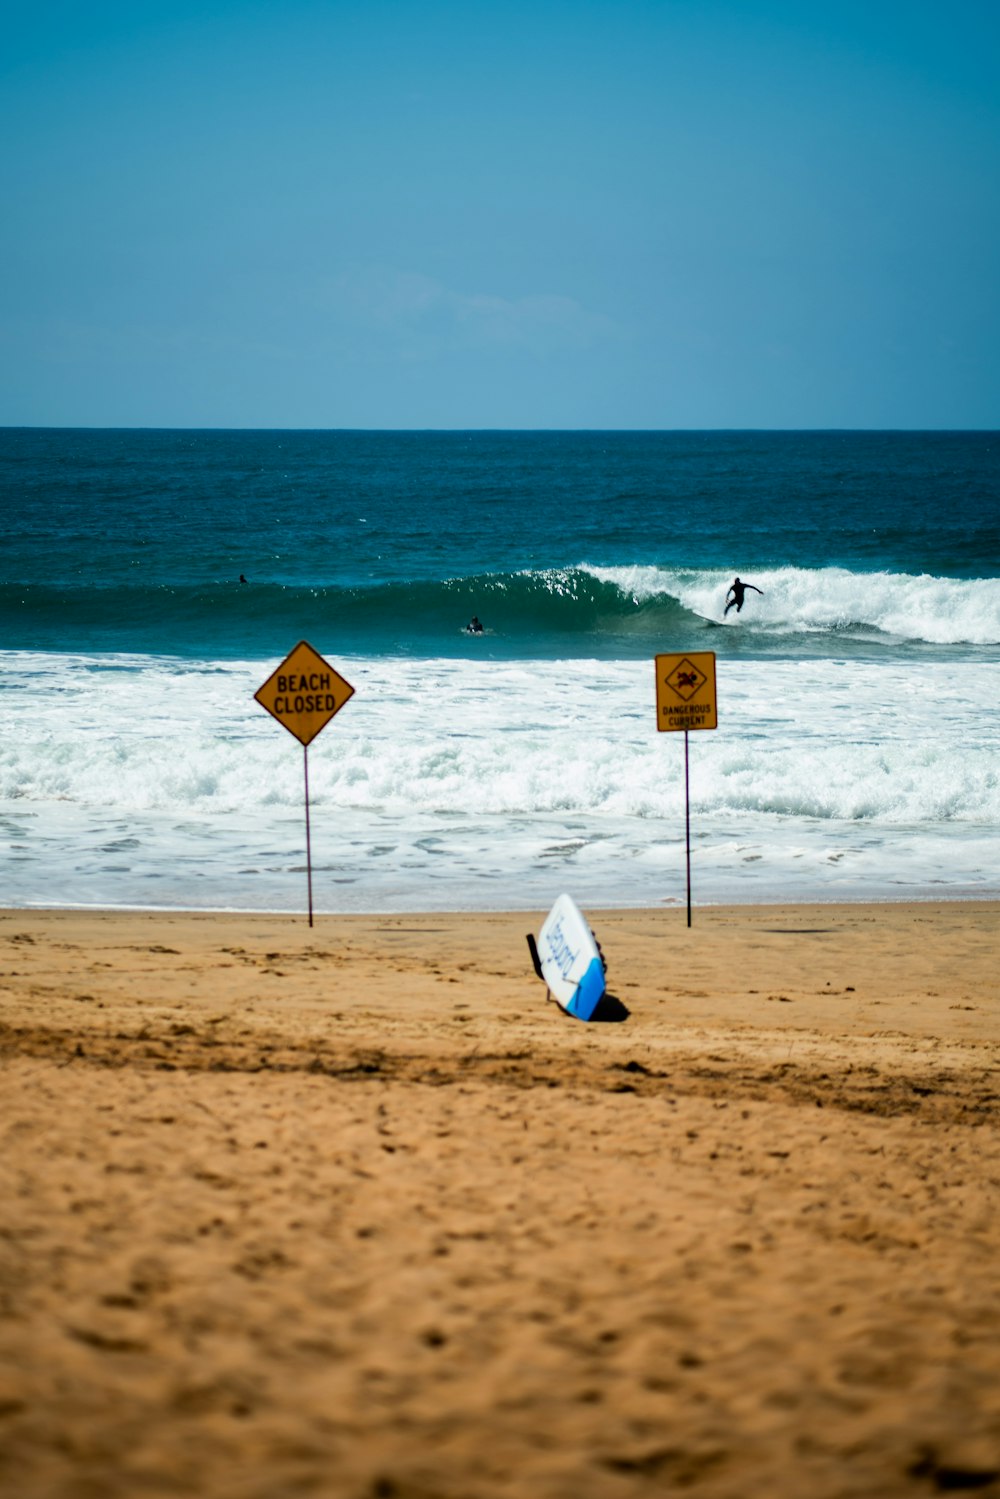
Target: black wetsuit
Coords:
[(738, 590)]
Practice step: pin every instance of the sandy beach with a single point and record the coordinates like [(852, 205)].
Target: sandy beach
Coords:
[(352, 1210)]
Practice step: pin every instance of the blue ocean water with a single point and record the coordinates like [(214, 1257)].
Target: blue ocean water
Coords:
[(858, 693)]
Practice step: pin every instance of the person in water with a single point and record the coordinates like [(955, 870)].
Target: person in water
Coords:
[(475, 626), (737, 590)]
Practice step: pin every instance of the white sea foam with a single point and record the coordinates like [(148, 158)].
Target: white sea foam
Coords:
[(940, 611), (447, 783)]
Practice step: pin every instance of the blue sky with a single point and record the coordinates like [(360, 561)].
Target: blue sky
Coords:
[(402, 213)]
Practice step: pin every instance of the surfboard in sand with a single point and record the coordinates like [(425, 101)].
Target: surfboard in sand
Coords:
[(568, 960)]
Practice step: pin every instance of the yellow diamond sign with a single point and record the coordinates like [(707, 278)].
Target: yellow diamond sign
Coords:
[(304, 693), (685, 691)]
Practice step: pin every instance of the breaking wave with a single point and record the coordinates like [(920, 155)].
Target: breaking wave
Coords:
[(544, 611)]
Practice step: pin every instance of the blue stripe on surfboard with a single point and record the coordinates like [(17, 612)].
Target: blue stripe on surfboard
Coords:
[(591, 987)]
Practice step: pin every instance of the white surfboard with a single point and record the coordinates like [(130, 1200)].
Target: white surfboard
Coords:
[(569, 960)]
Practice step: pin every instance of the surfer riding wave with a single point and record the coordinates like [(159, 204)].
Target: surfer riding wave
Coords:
[(738, 589)]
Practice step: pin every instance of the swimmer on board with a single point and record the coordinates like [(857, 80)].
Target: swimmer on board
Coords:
[(738, 589), (475, 626)]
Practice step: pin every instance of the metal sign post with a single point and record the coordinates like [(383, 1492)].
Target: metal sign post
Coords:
[(685, 699), (309, 856), (687, 820), (303, 694)]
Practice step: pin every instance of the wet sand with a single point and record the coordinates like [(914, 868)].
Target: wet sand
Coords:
[(355, 1211)]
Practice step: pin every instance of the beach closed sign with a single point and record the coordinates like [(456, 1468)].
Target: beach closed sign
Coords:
[(685, 691), (304, 693)]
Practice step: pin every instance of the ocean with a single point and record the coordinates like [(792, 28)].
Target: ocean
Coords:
[(856, 754)]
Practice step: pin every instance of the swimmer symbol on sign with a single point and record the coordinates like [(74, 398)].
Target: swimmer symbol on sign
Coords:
[(685, 680)]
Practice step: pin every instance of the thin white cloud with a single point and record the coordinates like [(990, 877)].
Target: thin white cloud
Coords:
[(422, 316)]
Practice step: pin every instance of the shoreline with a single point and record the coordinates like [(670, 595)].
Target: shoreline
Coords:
[(965, 897), (352, 1210)]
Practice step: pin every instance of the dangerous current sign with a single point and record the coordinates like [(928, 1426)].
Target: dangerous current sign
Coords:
[(685, 691), (304, 693)]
